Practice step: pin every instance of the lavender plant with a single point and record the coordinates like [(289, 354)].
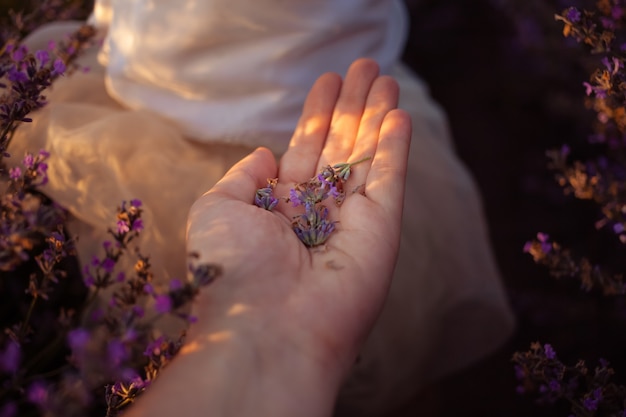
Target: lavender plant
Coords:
[(76, 340), (601, 179), (313, 227)]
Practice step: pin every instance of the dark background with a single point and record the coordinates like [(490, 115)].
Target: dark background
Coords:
[(512, 88)]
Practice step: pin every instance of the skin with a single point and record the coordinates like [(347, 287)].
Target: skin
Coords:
[(279, 331)]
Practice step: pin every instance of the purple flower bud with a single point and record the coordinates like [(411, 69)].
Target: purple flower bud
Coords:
[(554, 385), (137, 225), (175, 284), (43, 57), (573, 15), (108, 264), (549, 351), (294, 198), (122, 227), (135, 203), (154, 347), (138, 311), (77, 339), (163, 303), (19, 53), (37, 394), (11, 357), (148, 289), (16, 76), (15, 173), (8, 410), (59, 66), (116, 352), (28, 161)]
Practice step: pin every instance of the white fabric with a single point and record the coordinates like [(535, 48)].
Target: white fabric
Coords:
[(190, 61), (446, 306)]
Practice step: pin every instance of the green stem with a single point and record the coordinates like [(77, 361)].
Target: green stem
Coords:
[(24, 325)]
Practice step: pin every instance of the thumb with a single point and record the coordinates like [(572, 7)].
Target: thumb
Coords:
[(246, 176)]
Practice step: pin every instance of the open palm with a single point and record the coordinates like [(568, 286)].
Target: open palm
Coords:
[(321, 300)]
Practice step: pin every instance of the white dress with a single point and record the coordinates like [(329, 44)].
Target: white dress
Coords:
[(182, 89)]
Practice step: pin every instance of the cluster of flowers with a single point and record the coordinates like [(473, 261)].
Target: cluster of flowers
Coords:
[(75, 340), (601, 179), (589, 392), (28, 75), (313, 227)]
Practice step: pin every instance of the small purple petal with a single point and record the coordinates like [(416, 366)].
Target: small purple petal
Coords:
[(77, 339), (37, 393), (549, 351), (59, 67), (163, 303), (122, 227), (15, 173), (11, 357)]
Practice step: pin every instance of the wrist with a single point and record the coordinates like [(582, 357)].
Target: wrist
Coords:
[(260, 373), (280, 366)]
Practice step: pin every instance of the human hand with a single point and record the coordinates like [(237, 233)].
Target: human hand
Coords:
[(322, 301)]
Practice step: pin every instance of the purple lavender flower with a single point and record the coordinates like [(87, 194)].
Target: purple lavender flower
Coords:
[(138, 311), (122, 227), (549, 351), (294, 198), (137, 225), (8, 410), (573, 14), (77, 339), (265, 199), (107, 265), (29, 160), (175, 284), (43, 57), (19, 53), (313, 227), (163, 303), (116, 353), (154, 347), (592, 400), (58, 67), (37, 393), (148, 289), (15, 173), (11, 357)]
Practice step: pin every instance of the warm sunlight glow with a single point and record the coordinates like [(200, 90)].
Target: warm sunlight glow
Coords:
[(237, 309), (216, 337)]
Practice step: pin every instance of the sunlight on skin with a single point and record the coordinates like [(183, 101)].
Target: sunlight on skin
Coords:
[(237, 309), (196, 346)]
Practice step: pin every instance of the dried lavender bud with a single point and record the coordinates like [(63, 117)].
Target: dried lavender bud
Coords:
[(264, 197)]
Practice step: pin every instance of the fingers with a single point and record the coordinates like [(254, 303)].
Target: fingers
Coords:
[(382, 98), (300, 161), (245, 177), (386, 179), (348, 112)]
